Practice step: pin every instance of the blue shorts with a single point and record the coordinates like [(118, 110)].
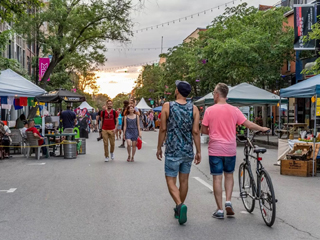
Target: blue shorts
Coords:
[(173, 166), (218, 165)]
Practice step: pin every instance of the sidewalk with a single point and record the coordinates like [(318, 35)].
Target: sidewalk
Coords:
[(267, 140)]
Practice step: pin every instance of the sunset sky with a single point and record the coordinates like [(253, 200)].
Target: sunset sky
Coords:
[(156, 12)]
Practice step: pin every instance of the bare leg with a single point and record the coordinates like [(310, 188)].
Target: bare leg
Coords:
[(173, 190), (129, 147), (134, 149), (228, 185), (183, 180), (217, 189)]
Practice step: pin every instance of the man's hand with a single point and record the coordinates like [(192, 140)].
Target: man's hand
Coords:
[(159, 154), (197, 158), (265, 129)]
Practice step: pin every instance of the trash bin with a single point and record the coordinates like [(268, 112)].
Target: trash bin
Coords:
[(82, 146), (70, 150)]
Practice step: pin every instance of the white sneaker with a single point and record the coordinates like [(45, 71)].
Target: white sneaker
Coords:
[(106, 159), (112, 156)]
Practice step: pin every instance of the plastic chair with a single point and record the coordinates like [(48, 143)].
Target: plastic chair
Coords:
[(16, 139), (33, 143)]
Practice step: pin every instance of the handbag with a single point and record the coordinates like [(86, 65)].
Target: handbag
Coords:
[(139, 143)]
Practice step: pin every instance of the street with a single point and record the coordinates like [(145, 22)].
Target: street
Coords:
[(86, 198)]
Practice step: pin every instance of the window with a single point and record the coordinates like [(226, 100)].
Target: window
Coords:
[(288, 66), (29, 65), (23, 58), (9, 50), (18, 54)]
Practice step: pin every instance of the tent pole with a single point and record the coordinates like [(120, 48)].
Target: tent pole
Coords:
[(288, 110), (280, 114), (314, 136)]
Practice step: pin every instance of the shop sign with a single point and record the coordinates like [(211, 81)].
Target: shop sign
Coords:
[(305, 15)]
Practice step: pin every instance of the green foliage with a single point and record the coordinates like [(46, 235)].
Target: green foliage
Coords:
[(242, 45), (314, 35), (246, 45), (16, 8), (77, 29), (118, 100)]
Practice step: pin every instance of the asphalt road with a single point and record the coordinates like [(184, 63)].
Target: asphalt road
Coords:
[(86, 198)]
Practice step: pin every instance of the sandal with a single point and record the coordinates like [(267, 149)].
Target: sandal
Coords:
[(128, 160), (132, 160)]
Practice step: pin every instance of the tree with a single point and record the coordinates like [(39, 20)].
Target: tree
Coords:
[(119, 99), (77, 28), (11, 9), (246, 45)]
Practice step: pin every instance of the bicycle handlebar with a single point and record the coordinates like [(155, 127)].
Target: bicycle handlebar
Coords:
[(253, 135)]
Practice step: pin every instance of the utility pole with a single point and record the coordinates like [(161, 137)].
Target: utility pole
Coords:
[(162, 42)]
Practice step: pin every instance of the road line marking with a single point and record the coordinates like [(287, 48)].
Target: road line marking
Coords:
[(244, 212), (36, 164), (204, 183), (11, 190)]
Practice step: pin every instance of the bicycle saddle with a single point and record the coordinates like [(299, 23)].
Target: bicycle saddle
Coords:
[(259, 150)]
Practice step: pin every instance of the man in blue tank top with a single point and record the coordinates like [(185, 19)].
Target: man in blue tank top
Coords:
[(180, 124)]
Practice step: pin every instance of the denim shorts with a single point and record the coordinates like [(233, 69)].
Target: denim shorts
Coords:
[(174, 166), (218, 165)]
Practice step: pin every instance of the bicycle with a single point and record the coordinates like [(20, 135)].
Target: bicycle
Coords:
[(263, 190)]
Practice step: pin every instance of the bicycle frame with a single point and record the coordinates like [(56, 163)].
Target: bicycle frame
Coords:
[(256, 188)]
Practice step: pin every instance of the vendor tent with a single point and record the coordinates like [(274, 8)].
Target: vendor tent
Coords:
[(59, 95), (143, 105), (304, 89), (85, 105), (158, 109), (244, 94), (13, 84)]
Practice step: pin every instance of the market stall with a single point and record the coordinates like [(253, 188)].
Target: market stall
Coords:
[(86, 105), (17, 92), (243, 94), (309, 88), (143, 105)]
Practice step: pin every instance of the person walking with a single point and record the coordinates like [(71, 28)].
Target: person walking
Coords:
[(125, 105), (93, 120), (119, 129), (131, 132), (100, 122), (109, 119), (180, 124), (141, 120), (219, 122)]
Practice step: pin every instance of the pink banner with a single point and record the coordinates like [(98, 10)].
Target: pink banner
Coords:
[(43, 66)]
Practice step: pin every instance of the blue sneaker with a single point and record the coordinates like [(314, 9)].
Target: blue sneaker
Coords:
[(217, 214), (229, 209)]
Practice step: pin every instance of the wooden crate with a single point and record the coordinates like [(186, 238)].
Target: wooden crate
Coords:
[(297, 168)]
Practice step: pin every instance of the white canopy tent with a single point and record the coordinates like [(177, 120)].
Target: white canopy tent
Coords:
[(85, 105), (13, 84), (143, 105)]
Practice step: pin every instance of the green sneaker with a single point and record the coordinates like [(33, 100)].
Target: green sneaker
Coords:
[(182, 212)]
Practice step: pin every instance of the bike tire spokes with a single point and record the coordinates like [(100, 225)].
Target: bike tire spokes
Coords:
[(267, 199)]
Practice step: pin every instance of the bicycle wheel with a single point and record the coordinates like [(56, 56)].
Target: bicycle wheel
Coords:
[(267, 199), (246, 188)]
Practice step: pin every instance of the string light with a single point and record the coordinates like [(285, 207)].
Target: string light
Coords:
[(186, 17), (127, 66)]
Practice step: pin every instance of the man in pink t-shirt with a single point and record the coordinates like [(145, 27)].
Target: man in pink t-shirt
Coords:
[(219, 123)]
